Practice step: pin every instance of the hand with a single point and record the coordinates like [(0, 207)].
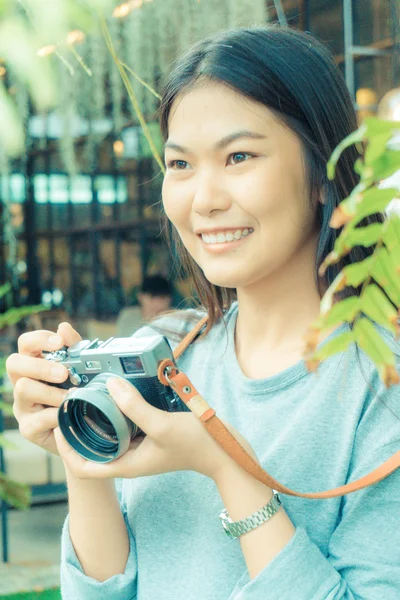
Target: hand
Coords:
[(35, 403), (173, 442)]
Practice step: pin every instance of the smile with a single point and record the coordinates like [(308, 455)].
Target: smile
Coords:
[(225, 237)]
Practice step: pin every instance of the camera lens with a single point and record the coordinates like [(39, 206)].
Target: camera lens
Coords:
[(92, 423), (93, 428)]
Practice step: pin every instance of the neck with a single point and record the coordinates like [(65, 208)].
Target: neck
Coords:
[(276, 312)]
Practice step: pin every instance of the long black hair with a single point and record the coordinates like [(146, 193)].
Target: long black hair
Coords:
[(295, 76)]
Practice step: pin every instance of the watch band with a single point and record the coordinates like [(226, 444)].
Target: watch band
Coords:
[(234, 529)]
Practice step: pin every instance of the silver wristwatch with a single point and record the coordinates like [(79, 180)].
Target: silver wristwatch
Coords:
[(238, 528)]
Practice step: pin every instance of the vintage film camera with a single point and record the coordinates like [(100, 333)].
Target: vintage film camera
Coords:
[(89, 418)]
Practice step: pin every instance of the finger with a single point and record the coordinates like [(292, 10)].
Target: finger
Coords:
[(33, 342), (20, 365), (145, 459), (68, 334), (33, 426), (30, 394), (151, 420), (63, 447), (72, 460)]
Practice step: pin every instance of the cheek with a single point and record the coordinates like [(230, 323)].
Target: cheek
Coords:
[(175, 201)]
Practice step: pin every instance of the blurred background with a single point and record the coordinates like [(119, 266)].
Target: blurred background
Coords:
[(80, 206)]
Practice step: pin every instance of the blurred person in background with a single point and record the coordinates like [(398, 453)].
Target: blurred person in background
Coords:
[(154, 297)]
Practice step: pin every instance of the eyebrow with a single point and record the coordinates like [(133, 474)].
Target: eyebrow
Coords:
[(225, 141)]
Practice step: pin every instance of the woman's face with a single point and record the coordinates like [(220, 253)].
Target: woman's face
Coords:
[(235, 187)]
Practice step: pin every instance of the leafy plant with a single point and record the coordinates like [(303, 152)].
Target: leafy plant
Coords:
[(379, 274)]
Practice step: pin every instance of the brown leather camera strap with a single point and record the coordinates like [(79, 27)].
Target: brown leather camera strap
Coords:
[(169, 374)]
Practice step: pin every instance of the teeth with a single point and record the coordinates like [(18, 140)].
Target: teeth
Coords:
[(222, 238)]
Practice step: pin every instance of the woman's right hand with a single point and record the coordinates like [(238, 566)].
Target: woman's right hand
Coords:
[(35, 403)]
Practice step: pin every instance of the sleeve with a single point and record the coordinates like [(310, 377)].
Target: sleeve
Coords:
[(363, 556), (75, 585)]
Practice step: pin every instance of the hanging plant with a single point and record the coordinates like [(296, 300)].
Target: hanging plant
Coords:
[(68, 114), (116, 86)]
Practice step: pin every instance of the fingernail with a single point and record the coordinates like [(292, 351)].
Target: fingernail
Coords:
[(55, 341), (57, 371)]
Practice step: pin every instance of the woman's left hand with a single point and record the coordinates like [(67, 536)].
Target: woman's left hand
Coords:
[(173, 442)]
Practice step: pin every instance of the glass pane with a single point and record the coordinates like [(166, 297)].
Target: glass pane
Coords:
[(372, 21), (81, 199), (129, 210), (111, 190), (12, 187), (41, 196), (375, 74), (326, 23)]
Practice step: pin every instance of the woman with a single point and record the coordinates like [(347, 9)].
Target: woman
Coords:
[(250, 119)]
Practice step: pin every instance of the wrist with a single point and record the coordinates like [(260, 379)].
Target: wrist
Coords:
[(75, 483), (241, 493)]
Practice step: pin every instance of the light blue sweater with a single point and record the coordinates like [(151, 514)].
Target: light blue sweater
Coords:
[(312, 432)]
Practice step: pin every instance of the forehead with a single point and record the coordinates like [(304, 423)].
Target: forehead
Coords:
[(215, 109)]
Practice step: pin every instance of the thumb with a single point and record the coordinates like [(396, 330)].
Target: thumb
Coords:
[(62, 445), (131, 402), (68, 333)]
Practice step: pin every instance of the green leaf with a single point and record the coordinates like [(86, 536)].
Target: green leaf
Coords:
[(369, 340), (2, 365), (375, 305), (344, 310), (391, 237), (356, 273), (385, 165), (362, 236), (384, 271), (377, 146), (6, 408), (15, 494), (353, 138), (14, 315), (340, 343), (371, 201), (352, 275), (375, 126), (4, 289)]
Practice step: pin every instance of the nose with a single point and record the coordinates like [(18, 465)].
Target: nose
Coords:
[(210, 195)]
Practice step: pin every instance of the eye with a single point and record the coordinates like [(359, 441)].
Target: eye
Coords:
[(239, 157), (178, 165)]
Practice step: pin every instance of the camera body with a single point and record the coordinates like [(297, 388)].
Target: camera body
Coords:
[(89, 417)]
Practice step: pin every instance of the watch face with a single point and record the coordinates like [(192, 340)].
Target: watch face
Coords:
[(225, 522)]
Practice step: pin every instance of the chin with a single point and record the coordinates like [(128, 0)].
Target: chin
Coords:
[(226, 279)]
